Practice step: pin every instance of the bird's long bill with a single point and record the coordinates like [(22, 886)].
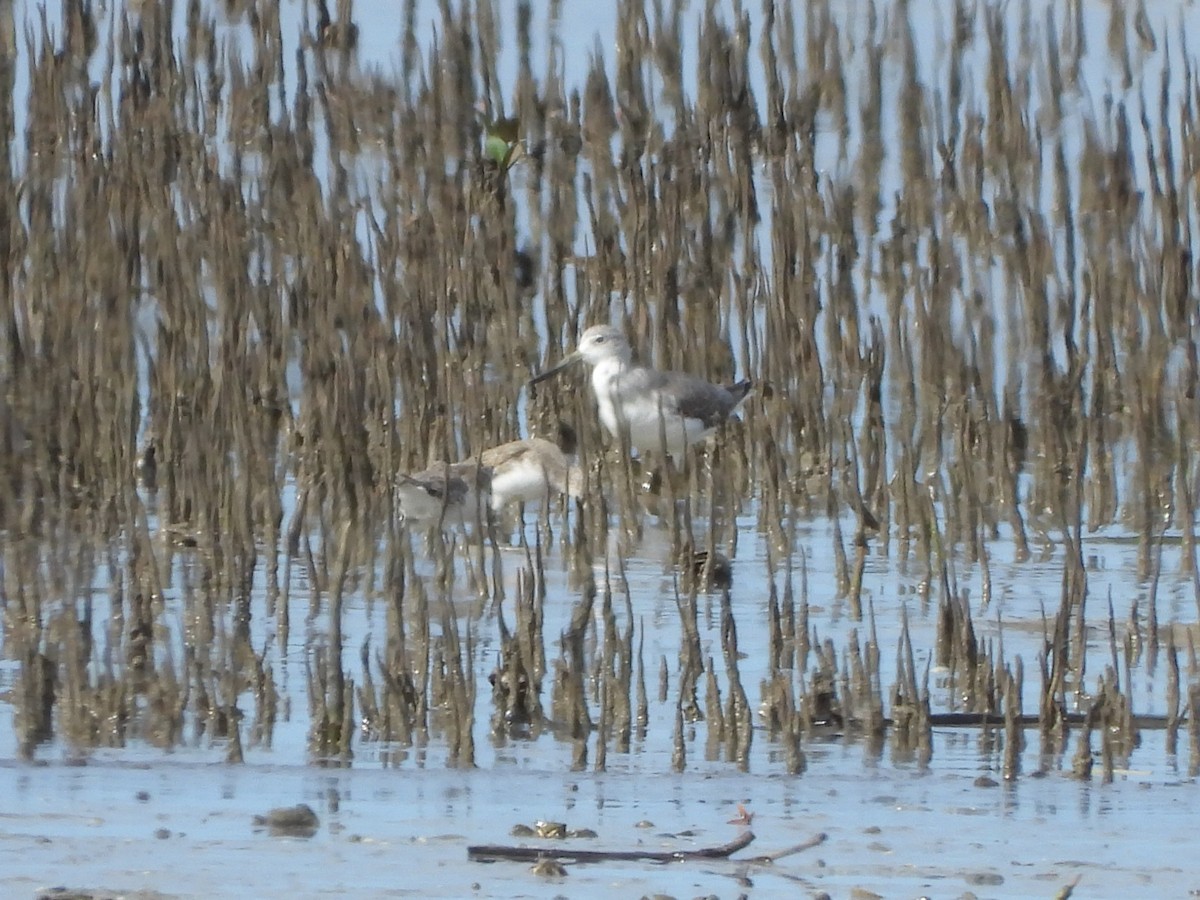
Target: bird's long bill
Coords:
[(567, 362)]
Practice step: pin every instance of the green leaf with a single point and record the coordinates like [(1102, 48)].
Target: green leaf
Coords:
[(502, 143), (496, 149)]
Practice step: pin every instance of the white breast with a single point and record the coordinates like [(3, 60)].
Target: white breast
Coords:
[(626, 402), (523, 480), (604, 385)]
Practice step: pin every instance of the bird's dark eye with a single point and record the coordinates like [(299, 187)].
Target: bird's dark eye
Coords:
[(600, 339)]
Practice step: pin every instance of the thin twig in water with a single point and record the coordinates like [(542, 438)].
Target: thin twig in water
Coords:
[(768, 858)]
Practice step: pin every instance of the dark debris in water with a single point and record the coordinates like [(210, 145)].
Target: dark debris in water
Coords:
[(710, 571), (289, 821)]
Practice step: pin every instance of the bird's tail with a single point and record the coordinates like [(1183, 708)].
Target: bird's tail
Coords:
[(740, 391)]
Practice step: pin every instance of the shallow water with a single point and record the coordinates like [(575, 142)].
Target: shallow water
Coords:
[(184, 829), (397, 821), (389, 833)]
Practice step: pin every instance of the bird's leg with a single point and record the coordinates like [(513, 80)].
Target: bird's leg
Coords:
[(676, 475), (497, 591)]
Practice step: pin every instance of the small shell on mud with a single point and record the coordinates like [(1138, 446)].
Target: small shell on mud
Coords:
[(550, 829)]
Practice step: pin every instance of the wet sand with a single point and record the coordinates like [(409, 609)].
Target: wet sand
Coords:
[(405, 833)]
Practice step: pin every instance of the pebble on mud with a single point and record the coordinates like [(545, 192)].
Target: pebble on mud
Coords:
[(549, 868), (990, 879)]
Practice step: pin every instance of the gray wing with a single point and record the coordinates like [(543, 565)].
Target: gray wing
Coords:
[(694, 398)]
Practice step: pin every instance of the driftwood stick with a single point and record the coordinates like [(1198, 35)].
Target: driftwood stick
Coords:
[(496, 852), (814, 841), (1067, 889)]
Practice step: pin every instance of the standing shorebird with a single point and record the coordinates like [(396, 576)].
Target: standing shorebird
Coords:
[(445, 494), (664, 412)]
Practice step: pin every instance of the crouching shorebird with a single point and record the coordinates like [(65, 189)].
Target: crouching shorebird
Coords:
[(664, 412), (445, 494), (525, 471), (528, 471)]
